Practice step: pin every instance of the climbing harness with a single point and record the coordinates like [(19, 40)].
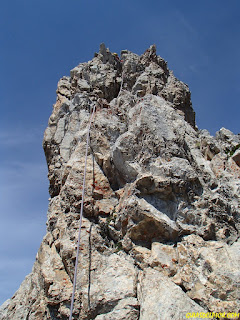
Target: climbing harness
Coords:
[(81, 214)]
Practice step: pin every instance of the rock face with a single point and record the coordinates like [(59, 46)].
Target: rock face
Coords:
[(160, 233)]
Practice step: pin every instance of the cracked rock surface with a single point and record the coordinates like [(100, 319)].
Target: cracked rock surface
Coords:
[(160, 232)]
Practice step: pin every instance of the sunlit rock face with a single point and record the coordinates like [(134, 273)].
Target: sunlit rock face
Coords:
[(160, 232)]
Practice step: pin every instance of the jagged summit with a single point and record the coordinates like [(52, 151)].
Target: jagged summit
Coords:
[(138, 75), (160, 234)]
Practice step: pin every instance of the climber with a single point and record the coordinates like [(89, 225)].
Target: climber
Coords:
[(116, 56)]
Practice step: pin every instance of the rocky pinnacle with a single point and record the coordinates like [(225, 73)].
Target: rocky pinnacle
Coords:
[(160, 228)]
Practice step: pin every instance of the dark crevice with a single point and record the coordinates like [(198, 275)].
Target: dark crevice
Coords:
[(27, 317), (183, 288), (64, 263), (102, 308), (54, 312), (201, 303), (198, 301), (66, 269)]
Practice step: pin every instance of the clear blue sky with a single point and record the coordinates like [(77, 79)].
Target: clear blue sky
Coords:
[(40, 41)]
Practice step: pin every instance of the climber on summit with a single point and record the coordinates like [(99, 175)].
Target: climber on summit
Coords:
[(116, 56)]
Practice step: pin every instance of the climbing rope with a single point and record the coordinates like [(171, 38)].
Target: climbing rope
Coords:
[(83, 191), (81, 214)]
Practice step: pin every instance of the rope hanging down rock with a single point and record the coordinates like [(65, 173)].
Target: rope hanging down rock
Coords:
[(81, 214)]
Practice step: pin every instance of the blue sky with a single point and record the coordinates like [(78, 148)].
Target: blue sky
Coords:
[(40, 41)]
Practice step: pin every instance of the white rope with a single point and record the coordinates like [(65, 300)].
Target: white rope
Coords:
[(81, 214)]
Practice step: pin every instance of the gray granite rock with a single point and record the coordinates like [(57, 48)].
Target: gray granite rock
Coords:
[(161, 209)]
